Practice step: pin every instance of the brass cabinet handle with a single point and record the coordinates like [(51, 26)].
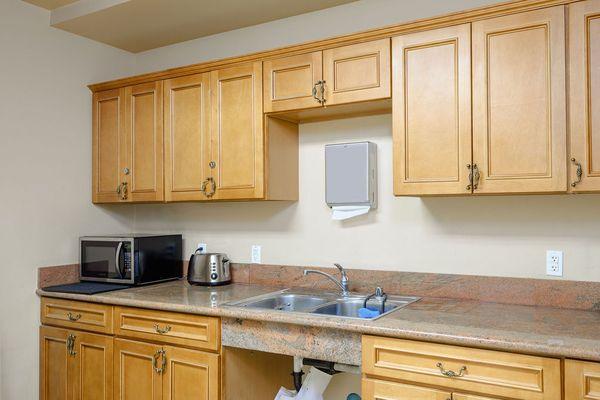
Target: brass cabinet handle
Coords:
[(213, 187), (160, 353), (579, 172), (72, 317), (474, 176), (450, 373), (123, 191), (321, 98), (162, 331), (71, 345)]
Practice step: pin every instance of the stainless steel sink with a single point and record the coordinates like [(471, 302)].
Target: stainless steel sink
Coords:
[(331, 304), (287, 302)]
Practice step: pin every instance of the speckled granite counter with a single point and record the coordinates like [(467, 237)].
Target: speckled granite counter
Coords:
[(525, 329)]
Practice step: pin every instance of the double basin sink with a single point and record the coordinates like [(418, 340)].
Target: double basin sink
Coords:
[(330, 304)]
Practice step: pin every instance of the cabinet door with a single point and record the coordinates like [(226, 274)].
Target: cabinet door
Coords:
[(432, 111), (460, 396), (519, 115), (381, 390), (92, 367), (358, 72), (237, 136), (187, 136), (108, 147), (582, 380), (289, 82), (54, 362), (134, 375), (144, 142), (584, 97), (191, 374)]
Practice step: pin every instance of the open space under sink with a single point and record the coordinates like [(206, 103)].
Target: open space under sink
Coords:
[(330, 304)]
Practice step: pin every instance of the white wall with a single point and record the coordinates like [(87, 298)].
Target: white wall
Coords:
[(504, 236), (45, 174)]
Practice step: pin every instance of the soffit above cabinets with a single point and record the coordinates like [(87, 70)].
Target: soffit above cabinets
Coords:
[(139, 25), (50, 4)]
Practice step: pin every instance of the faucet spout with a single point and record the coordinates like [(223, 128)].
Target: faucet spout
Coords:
[(342, 283)]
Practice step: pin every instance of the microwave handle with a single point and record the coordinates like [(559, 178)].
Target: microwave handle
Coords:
[(118, 259)]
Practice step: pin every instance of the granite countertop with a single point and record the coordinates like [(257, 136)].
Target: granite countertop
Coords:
[(524, 329)]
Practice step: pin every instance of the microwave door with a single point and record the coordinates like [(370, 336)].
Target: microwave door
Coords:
[(106, 260)]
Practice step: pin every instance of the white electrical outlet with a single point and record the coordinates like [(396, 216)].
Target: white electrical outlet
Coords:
[(554, 263), (256, 256), (202, 247)]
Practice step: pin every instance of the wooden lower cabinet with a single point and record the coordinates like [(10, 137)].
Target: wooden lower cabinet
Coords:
[(582, 380), (380, 390), (144, 371), (75, 365)]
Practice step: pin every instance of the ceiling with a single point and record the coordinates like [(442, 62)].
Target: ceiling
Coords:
[(139, 25)]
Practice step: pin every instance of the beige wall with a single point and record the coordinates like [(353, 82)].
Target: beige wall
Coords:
[(45, 159), (505, 236)]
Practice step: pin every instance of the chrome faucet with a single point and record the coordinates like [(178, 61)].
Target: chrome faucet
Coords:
[(342, 283)]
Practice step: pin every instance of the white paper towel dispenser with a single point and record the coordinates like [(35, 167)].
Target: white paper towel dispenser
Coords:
[(351, 177)]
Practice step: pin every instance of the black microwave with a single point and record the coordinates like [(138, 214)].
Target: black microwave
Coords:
[(133, 259)]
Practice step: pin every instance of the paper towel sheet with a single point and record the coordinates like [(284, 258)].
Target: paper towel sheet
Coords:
[(344, 212), (312, 388)]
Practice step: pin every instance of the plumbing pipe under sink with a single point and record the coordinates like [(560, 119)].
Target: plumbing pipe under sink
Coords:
[(299, 362)]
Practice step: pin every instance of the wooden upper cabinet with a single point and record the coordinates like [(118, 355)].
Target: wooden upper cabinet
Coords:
[(357, 72), (187, 136), (584, 96), (519, 105), (108, 147), (237, 136), (289, 82), (582, 380), (432, 111), (144, 142)]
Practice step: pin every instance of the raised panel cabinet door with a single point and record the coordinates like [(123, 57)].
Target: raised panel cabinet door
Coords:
[(582, 380), (381, 390), (519, 103), (144, 135), (54, 364), (460, 396), (289, 82), (187, 137), (191, 374), (109, 153), (135, 374), (92, 366), (237, 135), (584, 95), (432, 112), (358, 72)]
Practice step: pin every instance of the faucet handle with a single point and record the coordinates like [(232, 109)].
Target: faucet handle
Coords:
[(342, 270)]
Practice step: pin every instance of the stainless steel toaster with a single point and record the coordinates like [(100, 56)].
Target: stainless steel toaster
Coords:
[(211, 269)]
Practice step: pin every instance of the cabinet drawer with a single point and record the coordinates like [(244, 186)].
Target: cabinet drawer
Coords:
[(487, 372), (582, 380), (168, 327), (77, 315)]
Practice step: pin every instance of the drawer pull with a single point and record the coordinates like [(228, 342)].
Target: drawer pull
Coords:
[(160, 353), (72, 317), (162, 331), (450, 373)]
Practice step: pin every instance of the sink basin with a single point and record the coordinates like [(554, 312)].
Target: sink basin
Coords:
[(330, 304), (349, 307), (288, 302)]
